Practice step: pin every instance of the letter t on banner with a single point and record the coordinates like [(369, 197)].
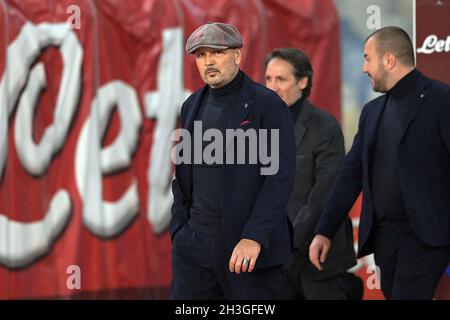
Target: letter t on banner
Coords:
[(164, 105)]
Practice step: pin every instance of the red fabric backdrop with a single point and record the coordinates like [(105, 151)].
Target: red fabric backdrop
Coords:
[(433, 58)]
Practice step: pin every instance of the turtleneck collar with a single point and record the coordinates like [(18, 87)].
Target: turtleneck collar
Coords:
[(403, 85), (228, 89)]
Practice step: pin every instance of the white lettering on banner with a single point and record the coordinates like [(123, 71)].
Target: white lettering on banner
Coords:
[(4, 115), (36, 158), (164, 105), (22, 242), (433, 44), (106, 218), (21, 53)]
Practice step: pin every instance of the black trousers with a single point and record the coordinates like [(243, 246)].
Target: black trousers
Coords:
[(200, 271), (297, 285), (409, 268)]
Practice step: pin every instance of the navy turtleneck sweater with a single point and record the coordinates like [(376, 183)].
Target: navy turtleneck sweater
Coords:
[(214, 112), (389, 207)]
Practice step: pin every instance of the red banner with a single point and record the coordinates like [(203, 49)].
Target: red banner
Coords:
[(90, 92), (433, 58)]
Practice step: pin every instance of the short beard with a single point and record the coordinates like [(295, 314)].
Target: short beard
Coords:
[(217, 83), (220, 82), (380, 85)]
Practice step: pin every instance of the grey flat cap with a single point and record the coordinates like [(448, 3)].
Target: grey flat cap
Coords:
[(215, 35)]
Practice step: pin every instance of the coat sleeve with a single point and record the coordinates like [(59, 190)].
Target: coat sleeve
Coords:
[(328, 158), (346, 188), (179, 205), (178, 210), (270, 205)]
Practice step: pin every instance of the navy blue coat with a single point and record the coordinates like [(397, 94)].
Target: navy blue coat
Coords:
[(423, 164), (253, 205)]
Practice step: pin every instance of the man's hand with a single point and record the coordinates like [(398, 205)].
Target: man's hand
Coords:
[(244, 256), (318, 250)]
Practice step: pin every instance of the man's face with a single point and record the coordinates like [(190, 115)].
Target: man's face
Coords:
[(217, 67), (280, 78), (373, 66)]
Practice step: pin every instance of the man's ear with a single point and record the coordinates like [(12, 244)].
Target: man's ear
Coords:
[(237, 55), (303, 82), (389, 61)]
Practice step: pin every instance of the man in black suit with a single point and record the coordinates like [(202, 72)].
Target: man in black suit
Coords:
[(400, 160), (319, 154), (230, 231)]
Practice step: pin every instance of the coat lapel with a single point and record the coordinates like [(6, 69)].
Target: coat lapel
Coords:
[(243, 104), (374, 120), (241, 108), (371, 127), (414, 102), (300, 124)]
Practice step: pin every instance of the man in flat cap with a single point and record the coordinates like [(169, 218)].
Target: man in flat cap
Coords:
[(229, 227)]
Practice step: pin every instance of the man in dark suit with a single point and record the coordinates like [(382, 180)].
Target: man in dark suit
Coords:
[(319, 154), (229, 228), (400, 160)]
